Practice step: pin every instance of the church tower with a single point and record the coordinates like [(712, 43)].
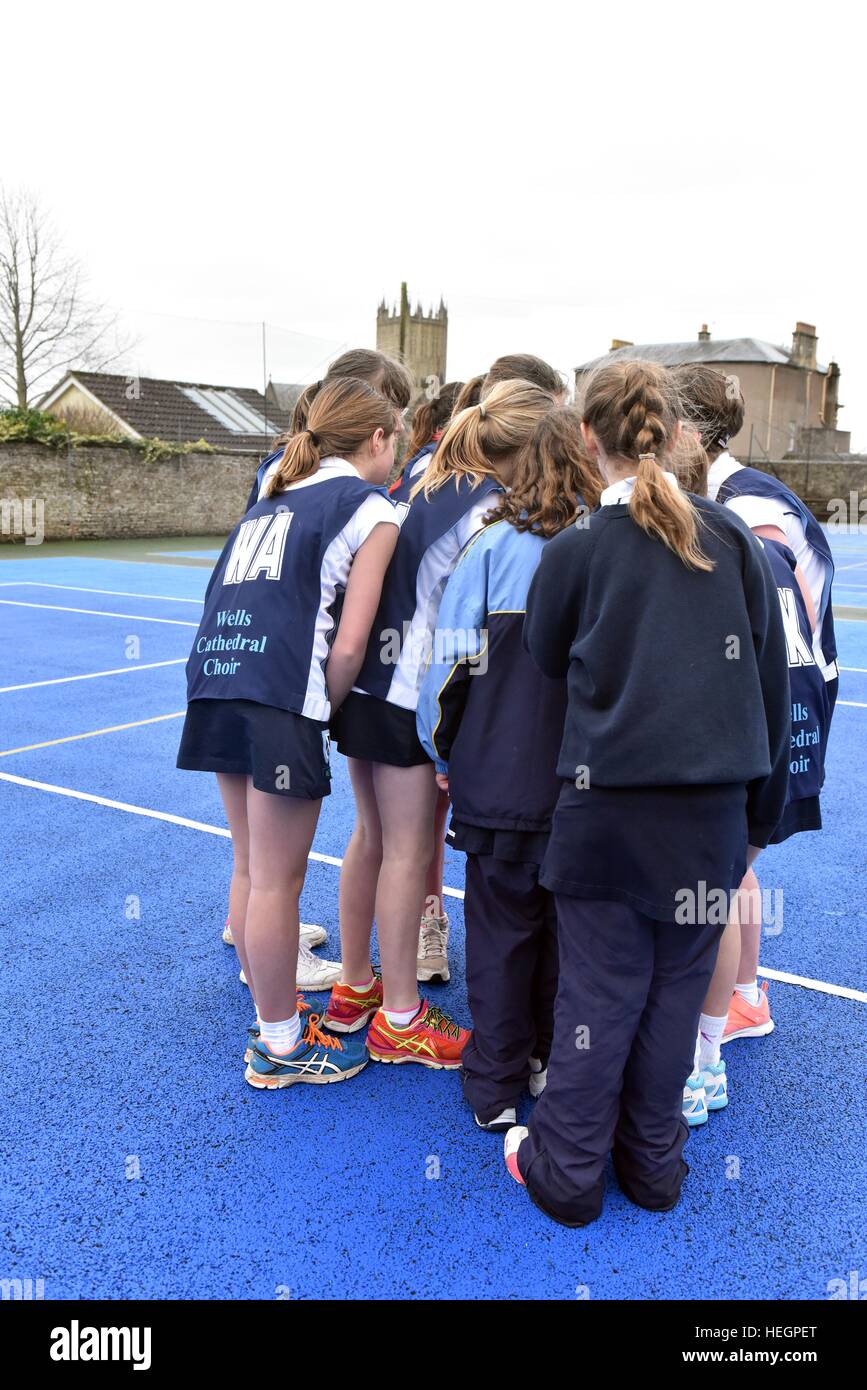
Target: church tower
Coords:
[(417, 339)]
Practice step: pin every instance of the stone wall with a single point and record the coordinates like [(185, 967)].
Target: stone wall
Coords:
[(107, 493), (101, 493), (826, 487)]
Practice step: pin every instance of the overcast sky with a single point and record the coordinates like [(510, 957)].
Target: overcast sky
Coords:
[(561, 174)]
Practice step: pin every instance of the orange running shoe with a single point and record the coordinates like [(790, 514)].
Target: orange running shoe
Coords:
[(349, 1008), (748, 1020), (432, 1038)]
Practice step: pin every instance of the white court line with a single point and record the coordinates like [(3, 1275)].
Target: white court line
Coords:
[(819, 985), (853, 704), (96, 612), (838, 569), (92, 675), (80, 589), (858, 670)]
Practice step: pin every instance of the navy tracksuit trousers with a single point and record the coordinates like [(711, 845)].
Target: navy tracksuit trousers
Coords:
[(626, 1017), (511, 945)]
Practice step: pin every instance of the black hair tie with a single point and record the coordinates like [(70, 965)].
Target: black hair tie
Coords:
[(314, 439)]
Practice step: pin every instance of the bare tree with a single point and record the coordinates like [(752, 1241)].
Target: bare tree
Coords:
[(47, 322)]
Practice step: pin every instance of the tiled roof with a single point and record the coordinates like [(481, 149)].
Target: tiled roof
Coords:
[(713, 350), (162, 409)]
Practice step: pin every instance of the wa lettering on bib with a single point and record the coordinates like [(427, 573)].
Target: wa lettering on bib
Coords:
[(273, 601)]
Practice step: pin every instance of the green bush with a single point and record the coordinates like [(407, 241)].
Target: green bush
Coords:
[(33, 427)]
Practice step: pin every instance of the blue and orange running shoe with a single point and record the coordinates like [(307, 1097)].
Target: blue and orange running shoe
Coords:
[(318, 1058), (432, 1038), (349, 1008)]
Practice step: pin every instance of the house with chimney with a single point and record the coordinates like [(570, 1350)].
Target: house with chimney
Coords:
[(791, 400)]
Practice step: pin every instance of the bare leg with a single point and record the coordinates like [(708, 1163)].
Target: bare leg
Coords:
[(750, 910), (359, 876), (722, 984), (406, 798), (281, 833), (433, 887), (233, 790)]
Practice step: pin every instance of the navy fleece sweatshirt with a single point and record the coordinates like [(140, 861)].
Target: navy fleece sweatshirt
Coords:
[(674, 676)]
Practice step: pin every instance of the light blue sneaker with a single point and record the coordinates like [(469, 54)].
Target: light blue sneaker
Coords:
[(716, 1086), (318, 1058), (695, 1100)]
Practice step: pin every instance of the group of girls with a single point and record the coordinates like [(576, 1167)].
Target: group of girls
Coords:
[(561, 622)]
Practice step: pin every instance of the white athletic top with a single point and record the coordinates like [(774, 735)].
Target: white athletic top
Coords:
[(769, 511), (620, 491)]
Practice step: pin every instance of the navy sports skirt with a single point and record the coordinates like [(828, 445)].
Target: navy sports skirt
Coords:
[(284, 753), (378, 732)]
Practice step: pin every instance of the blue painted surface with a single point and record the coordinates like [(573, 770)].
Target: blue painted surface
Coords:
[(135, 1032)]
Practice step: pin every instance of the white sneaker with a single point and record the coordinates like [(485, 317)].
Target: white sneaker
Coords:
[(505, 1120), (432, 965), (310, 934), (538, 1077), (313, 973)]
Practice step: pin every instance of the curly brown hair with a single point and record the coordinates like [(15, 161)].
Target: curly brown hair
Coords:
[(555, 480)]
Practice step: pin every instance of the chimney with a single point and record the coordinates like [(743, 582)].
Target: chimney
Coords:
[(830, 397), (619, 343), (704, 334), (804, 346)]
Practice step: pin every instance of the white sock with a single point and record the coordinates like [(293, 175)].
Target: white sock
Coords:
[(403, 1018), (710, 1031), (749, 991), (281, 1037)]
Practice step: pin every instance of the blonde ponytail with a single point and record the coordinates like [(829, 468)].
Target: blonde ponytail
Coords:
[(632, 408), (477, 436)]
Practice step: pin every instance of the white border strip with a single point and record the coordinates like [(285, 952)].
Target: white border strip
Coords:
[(92, 675), (96, 612), (821, 986), (82, 589)]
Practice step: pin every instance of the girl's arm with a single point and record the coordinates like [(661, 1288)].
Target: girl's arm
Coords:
[(774, 533), (363, 590), (459, 649)]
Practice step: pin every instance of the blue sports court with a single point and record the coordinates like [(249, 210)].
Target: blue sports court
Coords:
[(139, 1164)]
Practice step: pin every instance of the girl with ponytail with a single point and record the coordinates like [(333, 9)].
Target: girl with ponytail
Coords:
[(378, 370), (495, 740), (287, 615), (662, 614), (392, 776)]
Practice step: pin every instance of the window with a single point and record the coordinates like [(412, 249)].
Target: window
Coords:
[(231, 412)]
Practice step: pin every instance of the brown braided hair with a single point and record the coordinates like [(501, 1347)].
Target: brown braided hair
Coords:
[(632, 407)]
